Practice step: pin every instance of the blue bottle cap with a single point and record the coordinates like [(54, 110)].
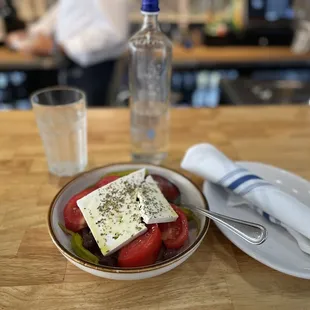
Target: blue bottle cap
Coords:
[(150, 6)]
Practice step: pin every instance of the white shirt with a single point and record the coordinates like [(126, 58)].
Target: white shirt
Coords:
[(91, 31)]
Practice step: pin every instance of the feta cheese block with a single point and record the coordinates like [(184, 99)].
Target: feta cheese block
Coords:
[(112, 212), (154, 207)]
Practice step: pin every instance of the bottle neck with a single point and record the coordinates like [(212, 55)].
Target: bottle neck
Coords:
[(150, 21)]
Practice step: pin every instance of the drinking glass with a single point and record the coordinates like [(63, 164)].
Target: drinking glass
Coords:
[(61, 116)]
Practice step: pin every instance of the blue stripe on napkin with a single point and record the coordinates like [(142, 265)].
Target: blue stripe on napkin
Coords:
[(242, 180), (266, 216), (231, 174)]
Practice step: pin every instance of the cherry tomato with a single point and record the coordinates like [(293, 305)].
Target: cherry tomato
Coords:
[(106, 180), (74, 219), (175, 234), (169, 190), (142, 251)]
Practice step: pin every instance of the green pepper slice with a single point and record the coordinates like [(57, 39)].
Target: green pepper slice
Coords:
[(79, 250), (77, 246), (65, 229)]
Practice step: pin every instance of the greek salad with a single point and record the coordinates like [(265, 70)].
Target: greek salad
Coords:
[(128, 219)]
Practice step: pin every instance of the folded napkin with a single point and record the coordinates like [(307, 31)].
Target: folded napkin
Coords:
[(246, 188)]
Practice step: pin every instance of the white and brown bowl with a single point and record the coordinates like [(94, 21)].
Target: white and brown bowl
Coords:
[(189, 194)]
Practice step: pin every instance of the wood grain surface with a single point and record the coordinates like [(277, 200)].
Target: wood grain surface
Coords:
[(35, 276)]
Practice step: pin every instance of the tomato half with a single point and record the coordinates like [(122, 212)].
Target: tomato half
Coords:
[(74, 219), (175, 234), (169, 190), (106, 180), (142, 251)]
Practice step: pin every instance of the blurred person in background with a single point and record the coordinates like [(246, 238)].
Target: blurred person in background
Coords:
[(92, 34)]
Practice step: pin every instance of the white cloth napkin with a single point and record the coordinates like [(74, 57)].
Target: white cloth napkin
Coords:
[(246, 188)]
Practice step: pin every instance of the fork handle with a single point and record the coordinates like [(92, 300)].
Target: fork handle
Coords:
[(250, 232)]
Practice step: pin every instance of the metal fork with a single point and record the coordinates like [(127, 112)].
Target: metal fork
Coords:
[(251, 232)]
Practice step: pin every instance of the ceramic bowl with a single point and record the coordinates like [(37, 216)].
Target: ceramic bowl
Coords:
[(189, 194)]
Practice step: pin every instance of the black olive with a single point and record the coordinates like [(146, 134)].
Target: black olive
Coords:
[(169, 253), (89, 241)]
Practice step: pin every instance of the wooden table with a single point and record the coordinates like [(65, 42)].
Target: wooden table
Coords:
[(35, 276)]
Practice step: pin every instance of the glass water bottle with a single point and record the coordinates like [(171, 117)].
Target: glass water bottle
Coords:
[(150, 61)]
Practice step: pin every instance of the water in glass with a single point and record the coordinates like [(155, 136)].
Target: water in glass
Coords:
[(63, 129), (149, 132)]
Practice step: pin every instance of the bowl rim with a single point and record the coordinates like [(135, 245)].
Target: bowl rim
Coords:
[(118, 270)]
